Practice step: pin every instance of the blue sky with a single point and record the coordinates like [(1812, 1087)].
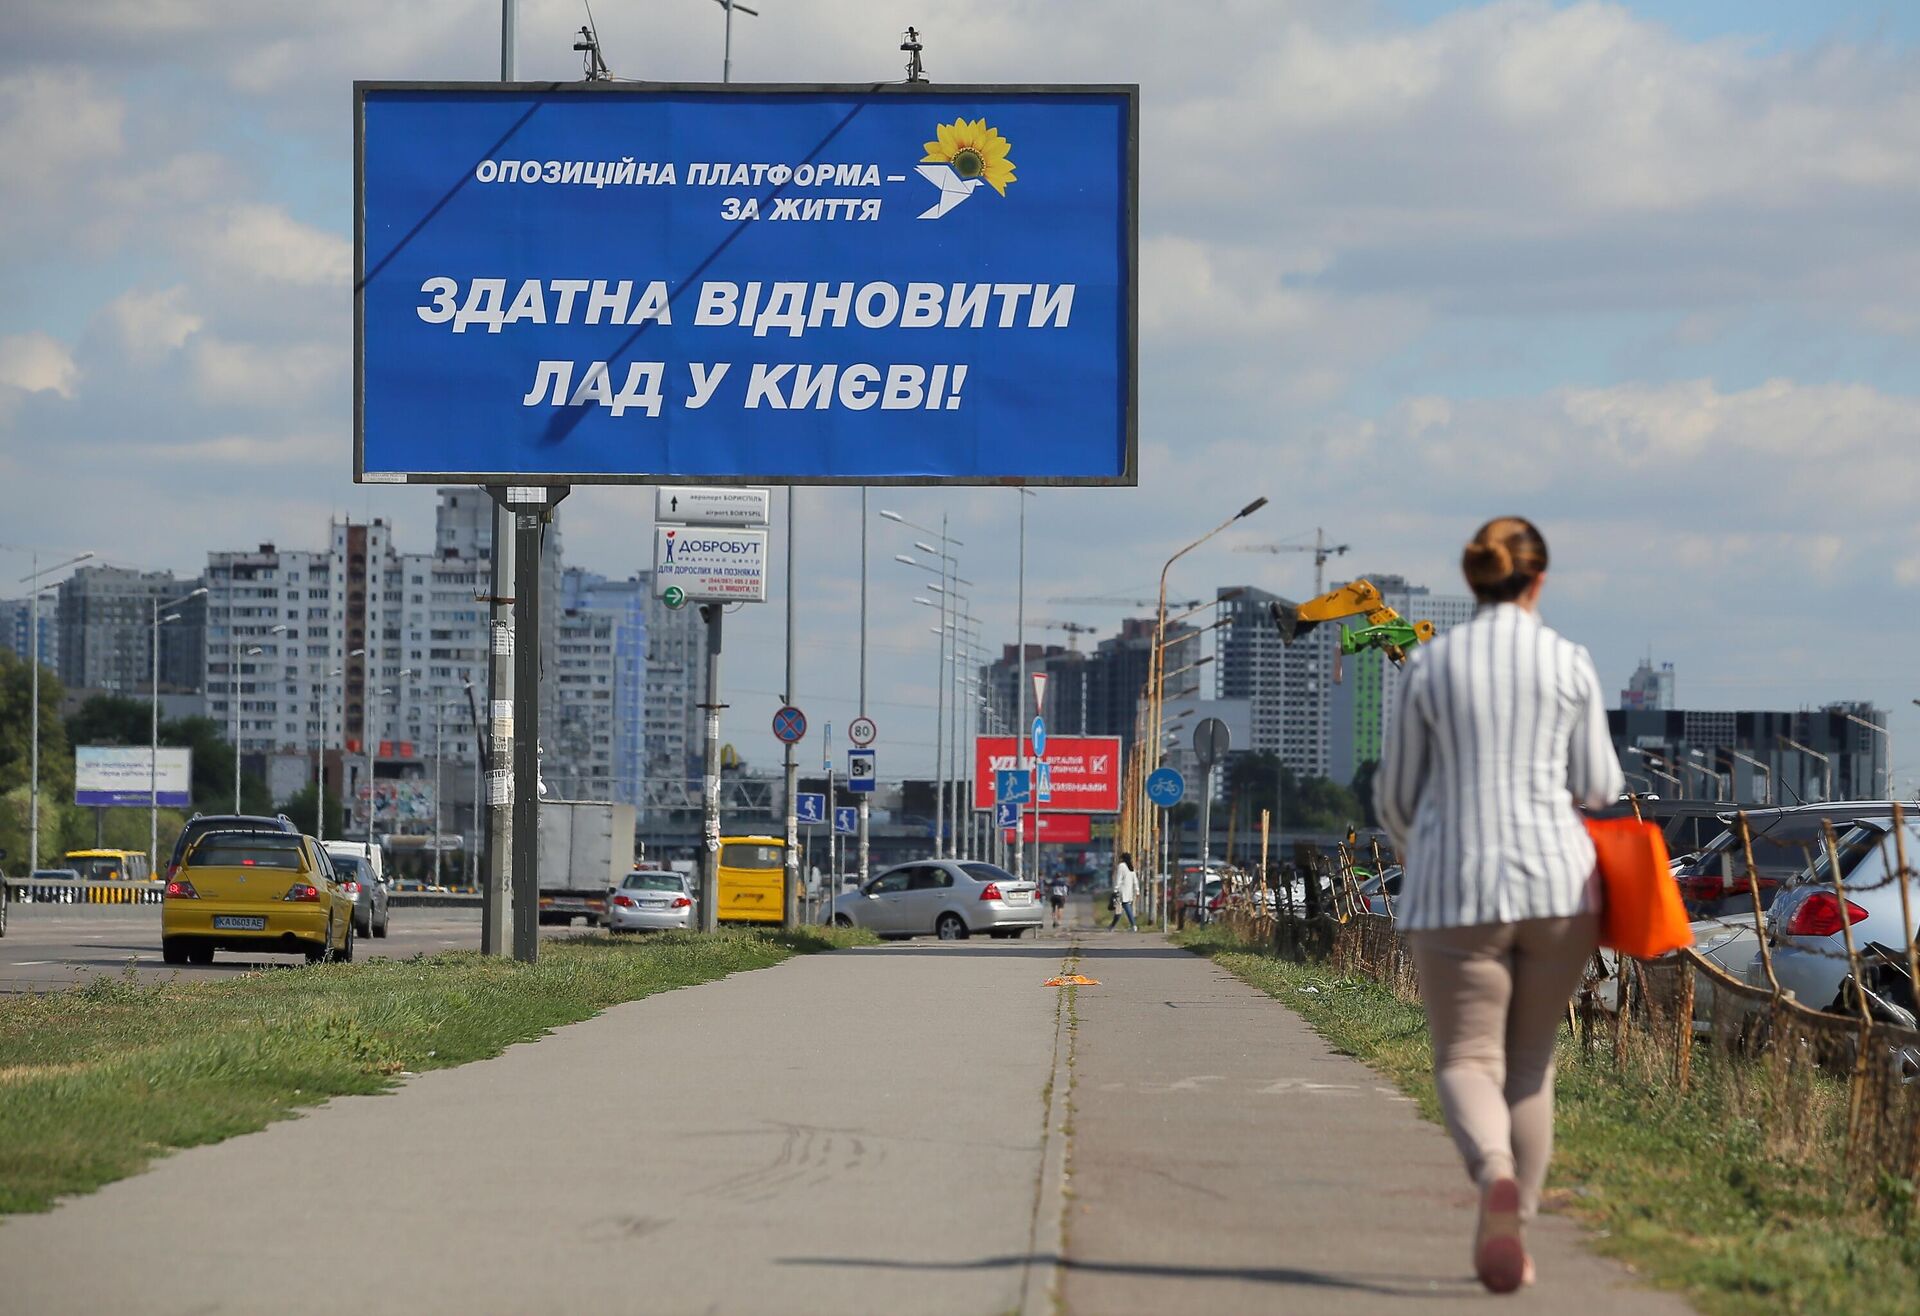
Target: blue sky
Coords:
[(1643, 272)]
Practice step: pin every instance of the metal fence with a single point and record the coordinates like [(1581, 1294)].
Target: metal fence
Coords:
[(1838, 1092), (82, 893)]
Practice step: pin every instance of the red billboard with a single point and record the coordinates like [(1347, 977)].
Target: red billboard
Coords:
[(1086, 772), (1056, 828)]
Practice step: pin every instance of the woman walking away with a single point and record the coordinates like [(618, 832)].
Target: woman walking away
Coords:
[(1125, 888), (1499, 730)]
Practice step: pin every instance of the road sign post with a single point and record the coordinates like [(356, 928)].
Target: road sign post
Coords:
[(1211, 741)]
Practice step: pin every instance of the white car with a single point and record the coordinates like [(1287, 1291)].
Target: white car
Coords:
[(1805, 921), (649, 900)]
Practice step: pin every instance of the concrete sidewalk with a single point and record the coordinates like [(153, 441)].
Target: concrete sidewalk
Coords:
[(879, 1130), (1224, 1159)]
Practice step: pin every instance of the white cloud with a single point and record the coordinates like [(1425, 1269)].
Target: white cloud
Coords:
[(150, 324), (252, 375), (37, 363), (263, 242)]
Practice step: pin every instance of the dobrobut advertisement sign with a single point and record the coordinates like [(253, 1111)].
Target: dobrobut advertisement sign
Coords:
[(704, 563), (608, 282), (113, 776), (1085, 769)]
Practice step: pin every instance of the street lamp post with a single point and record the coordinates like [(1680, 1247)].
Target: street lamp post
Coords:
[(33, 579), (153, 760), (1758, 766), (1679, 783), (1826, 763), (944, 553), (1157, 663), (366, 722), (1704, 770)]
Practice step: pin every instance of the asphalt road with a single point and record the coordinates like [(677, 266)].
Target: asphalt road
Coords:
[(50, 947)]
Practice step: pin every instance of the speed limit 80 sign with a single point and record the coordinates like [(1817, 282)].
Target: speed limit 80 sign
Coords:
[(862, 732)]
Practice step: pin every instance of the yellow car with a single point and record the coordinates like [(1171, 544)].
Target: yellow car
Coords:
[(256, 892)]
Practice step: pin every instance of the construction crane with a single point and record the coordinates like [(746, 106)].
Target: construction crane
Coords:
[(1182, 604), (1073, 629), (1320, 549)]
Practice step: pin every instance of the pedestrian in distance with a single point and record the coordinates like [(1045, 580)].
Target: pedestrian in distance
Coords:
[(1499, 731), (1125, 887), (1057, 897)]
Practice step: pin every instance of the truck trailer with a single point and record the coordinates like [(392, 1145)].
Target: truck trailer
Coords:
[(586, 848)]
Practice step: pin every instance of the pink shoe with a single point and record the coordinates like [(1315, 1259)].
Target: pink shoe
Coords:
[(1499, 1255)]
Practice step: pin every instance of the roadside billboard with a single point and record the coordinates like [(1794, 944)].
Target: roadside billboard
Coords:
[(119, 776), (1086, 771), (1055, 828), (608, 282)]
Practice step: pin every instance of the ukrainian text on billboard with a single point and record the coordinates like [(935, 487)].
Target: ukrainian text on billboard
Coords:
[(114, 776), (833, 285)]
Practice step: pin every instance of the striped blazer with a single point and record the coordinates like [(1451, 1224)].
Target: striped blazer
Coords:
[(1499, 729)]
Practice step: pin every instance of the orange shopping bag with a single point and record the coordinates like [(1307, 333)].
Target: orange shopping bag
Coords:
[(1641, 913)]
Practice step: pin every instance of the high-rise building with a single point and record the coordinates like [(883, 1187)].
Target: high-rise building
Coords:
[(1650, 688), (105, 617), (1092, 694), (379, 655), (1322, 713), (16, 624), (1361, 698), (1836, 753)]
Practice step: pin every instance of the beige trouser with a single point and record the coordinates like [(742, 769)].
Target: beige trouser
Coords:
[(1495, 996)]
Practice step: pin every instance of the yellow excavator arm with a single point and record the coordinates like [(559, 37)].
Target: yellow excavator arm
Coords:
[(1385, 630)]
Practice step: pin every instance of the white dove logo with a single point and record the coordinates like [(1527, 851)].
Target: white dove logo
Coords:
[(953, 188)]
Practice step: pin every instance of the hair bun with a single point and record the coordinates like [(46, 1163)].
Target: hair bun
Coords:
[(1487, 563)]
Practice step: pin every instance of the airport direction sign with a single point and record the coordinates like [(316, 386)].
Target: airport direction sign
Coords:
[(709, 505), (862, 770), (710, 564), (809, 807), (862, 731), (846, 820), (1006, 813), (1166, 787), (789, 725)]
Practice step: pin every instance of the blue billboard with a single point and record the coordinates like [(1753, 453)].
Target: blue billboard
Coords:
[(606, 282)]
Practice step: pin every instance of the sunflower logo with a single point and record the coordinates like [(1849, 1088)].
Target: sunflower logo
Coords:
[(963, 155)]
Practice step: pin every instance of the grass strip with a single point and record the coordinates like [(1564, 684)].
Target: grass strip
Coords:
[(97, 1081), (1671, 1185)]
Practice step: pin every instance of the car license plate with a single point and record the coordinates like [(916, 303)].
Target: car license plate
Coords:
[(1018, 897), (238, 923), (653, 904)]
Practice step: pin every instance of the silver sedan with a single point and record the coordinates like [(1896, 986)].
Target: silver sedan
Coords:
[(649, 900), (948, 898)]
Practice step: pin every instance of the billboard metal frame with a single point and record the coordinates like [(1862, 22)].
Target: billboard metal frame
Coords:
[(1129, 476)]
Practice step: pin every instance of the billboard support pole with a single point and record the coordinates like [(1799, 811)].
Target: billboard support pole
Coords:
[(530, 520), (712, 614), (864, 796), (497, 838), (790, 902)]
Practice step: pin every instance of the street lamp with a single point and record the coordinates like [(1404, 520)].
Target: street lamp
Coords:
[(33, 656), (233, 699), (1826, 762), (1758, 766), (1707, 771), (1679, 784), (731, 6), (153, 762), (372, 795), (1157, 662)]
